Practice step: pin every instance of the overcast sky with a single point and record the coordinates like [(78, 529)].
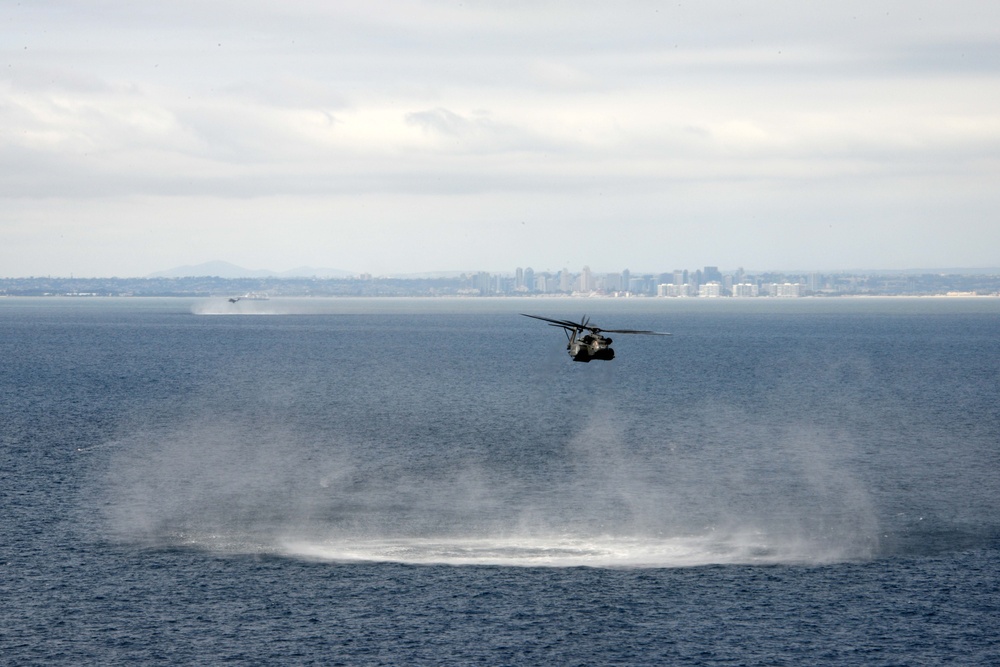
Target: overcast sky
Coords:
[(394, 137)]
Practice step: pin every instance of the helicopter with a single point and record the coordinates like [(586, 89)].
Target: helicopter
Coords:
[(591, 345)]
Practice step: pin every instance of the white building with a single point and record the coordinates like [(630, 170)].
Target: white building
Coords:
[(785, 289), (710, 289), (745, 290), (674, 290)]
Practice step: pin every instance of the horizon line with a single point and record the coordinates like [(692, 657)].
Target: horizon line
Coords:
[(347, 275)]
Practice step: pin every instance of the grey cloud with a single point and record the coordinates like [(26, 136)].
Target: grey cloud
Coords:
[(478, 132), (441, 120)]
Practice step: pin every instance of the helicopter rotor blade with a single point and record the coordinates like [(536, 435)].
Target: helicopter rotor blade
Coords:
[(584, 325), (559, 323), (637, 331)]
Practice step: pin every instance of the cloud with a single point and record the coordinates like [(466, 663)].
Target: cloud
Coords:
[(476, 133), (664, 120)]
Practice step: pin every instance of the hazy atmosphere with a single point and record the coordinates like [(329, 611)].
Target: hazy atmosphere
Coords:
[(434, 136)]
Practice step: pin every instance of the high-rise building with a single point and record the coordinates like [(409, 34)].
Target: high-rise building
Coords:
[(710, 289), (644, 285), (483, 282), (789, 289), (676, 290)]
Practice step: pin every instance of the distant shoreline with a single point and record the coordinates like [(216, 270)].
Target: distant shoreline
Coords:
[(500, 297), (709, 284)]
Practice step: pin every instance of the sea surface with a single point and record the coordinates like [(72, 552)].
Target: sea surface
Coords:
[(434, 481)]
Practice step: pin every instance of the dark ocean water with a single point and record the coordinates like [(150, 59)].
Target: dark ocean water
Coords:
[(383, 481)]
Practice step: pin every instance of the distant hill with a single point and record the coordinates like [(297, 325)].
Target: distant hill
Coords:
[(227, 270)]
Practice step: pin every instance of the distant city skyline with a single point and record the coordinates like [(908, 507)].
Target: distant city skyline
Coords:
[(707, 282)]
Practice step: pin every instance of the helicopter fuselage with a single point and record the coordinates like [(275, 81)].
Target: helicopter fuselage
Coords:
[(590, 346)]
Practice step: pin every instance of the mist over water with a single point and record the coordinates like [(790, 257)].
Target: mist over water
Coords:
[(596, 502), (457, 438)]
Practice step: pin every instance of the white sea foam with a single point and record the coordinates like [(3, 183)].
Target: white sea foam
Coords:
[(567, 551)]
